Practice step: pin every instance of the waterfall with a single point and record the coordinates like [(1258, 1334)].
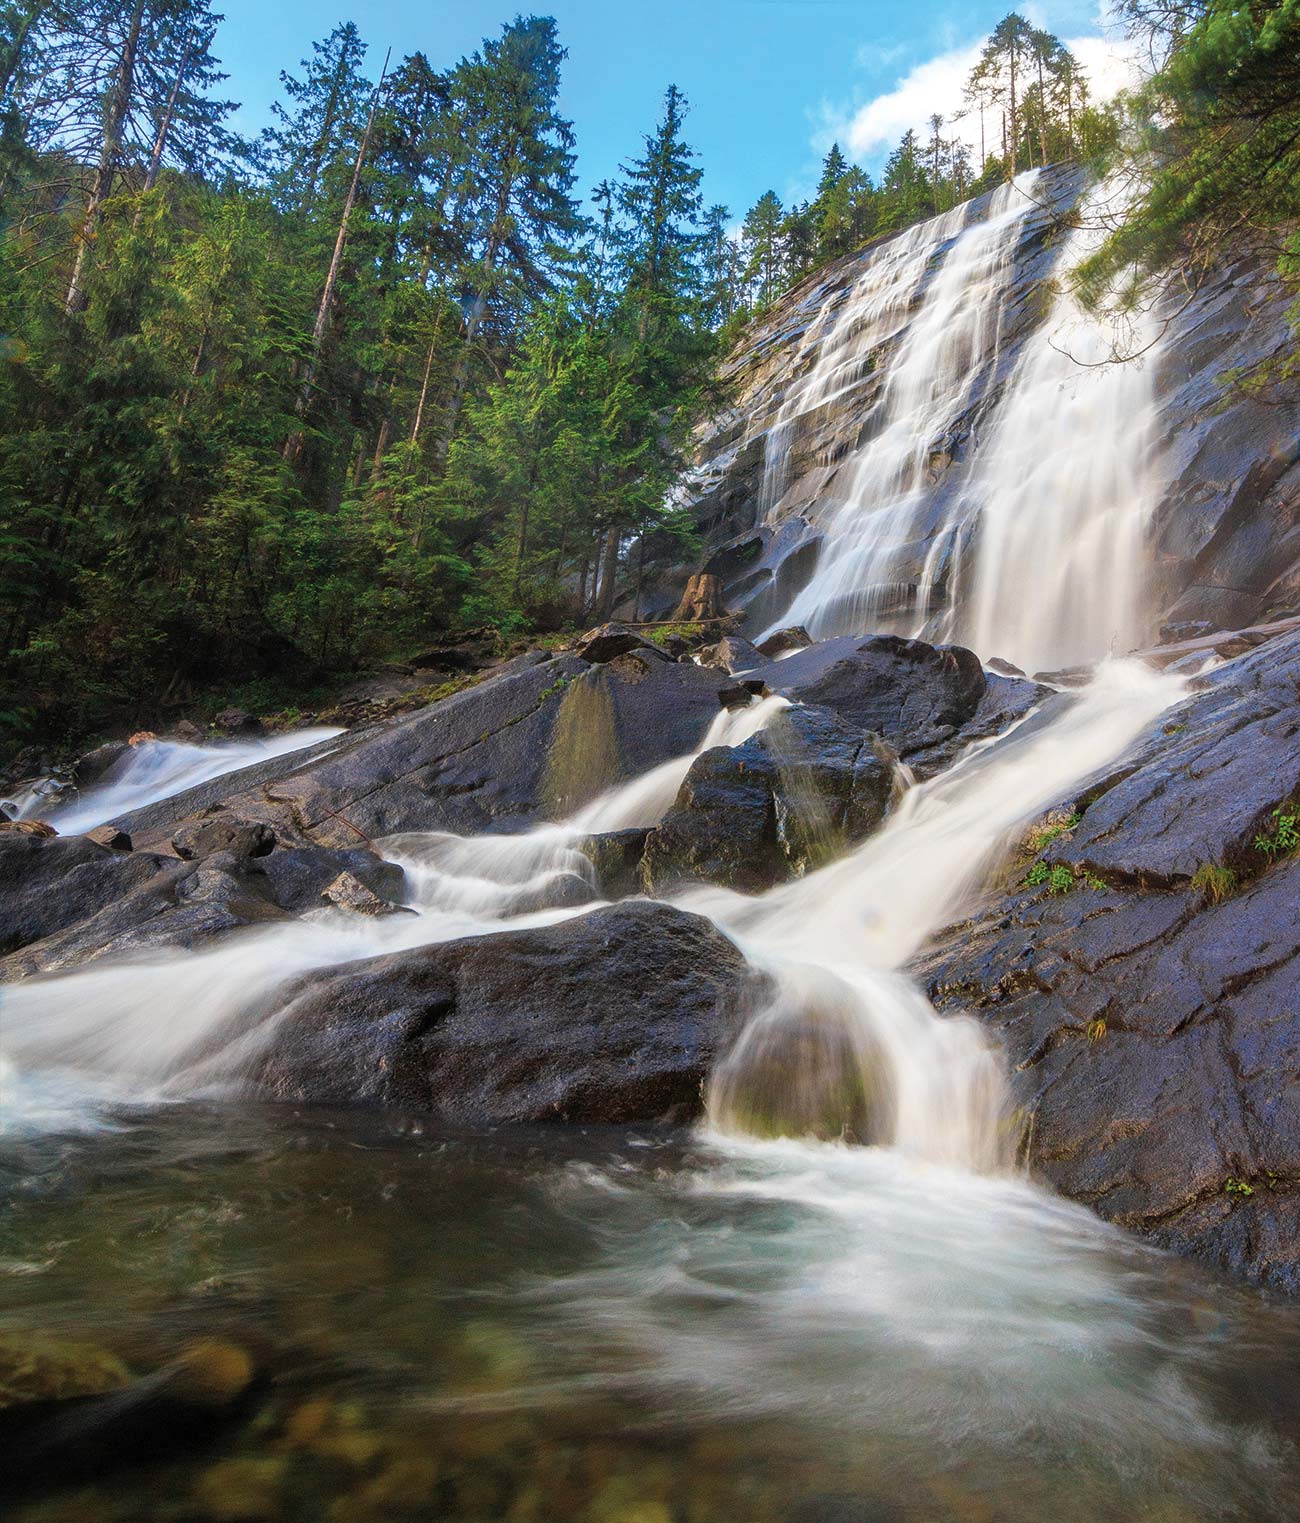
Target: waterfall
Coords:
[(950, 342), (1042, 547), (1061, 495), (847, 1044)]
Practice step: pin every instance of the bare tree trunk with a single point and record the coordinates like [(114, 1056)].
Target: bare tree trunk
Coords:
[(294, 443), (1013, 114), (114, 125), (1042, 113), (424, 384)]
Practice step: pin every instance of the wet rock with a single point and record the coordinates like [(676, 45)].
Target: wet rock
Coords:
[(49, 883), (788, 800), (237, 722), (796, 637), (1150, 1019), (39, 829), (1203, 782), (296, 877), (223, 830), (179, 1406), (347, 892), (188, 732), (615, 1016), (34, 1368), (557, 891), (616, 857), (535, 744), (110, 836)]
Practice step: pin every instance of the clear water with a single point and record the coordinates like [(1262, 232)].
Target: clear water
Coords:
[(636, 1327)]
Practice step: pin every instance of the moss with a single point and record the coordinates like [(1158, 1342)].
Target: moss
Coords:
[(1214, 882)]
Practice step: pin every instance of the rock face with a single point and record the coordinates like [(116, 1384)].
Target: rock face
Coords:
[(1227, 531), (612, 1017), (1151, 1007)]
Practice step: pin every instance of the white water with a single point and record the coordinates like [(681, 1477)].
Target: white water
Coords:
[(833, 942), (155, 770), (1063, 491)]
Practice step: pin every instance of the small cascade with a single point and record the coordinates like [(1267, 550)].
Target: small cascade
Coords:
[(950, 342), (96, 1033)]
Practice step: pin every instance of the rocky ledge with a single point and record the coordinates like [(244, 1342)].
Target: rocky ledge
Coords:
[(1141, 968)]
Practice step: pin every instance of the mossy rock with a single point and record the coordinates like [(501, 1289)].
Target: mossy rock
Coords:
[(35, 1368)]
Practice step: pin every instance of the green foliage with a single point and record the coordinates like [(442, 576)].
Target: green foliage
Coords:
[(1040, 837), (1285, 835), (1237, 1187), (1220, 123)]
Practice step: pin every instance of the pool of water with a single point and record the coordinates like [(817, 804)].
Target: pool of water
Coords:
[(628, 1327)]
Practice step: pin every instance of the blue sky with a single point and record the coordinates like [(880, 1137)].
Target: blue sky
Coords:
[(770, 82)]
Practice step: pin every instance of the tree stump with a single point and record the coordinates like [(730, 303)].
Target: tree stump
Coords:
[(702, 598)]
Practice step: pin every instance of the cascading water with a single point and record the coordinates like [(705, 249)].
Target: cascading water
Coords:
[(949, 343), (1061, 494), (1039, 555)]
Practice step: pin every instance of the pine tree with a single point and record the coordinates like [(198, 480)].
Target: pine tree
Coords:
[(765, 247)]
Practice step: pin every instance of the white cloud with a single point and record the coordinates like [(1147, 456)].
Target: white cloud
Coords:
[(870, 131)]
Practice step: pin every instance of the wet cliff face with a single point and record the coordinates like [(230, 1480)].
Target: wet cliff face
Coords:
[(881, 425)]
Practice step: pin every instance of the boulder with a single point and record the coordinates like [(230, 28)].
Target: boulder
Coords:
[(731, 654), (295, 878), (615, 1016), (94, 764), (188, 733), (222, 830), (347, 892), (616, 857), (796, 637), (531, 745), (110, 836), (48, 883), (608, 641), (788, 800), (1148, 1006), (915, 696), (235, 721)]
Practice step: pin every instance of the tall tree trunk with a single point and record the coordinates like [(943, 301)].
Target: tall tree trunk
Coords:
[(294, 443), (1042, 113), (460, 373), (164, 127), (424, 384), (1013, 114), (119, 103), (609, 575)]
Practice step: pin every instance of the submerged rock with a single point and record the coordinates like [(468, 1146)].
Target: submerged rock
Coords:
[(615, 1016)]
